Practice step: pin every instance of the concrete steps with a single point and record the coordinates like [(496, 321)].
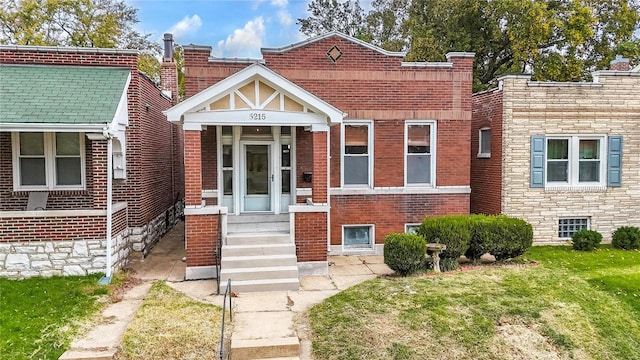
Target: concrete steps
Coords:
[(287, 348), (259, 254)]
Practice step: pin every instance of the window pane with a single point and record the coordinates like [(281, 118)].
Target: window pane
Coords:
[(67, 144), (558, 171), (31, 143), (485, 141), (589, 149), (32, 171), (418, 139), (285, 130), (589, 171), (68, 171), (357, 236), (356, 170), (356, 139), (227, 179), (286, 155), (256, 130), (227, 130), (558, 149), (286, 181), (418, 169), (227, 156)]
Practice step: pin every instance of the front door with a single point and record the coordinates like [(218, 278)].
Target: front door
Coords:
[(258, 177)]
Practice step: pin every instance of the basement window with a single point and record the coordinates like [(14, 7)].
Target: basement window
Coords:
[(568, 226), (357, 236)]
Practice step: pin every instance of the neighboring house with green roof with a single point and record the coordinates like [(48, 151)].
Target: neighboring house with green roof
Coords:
[(88, 161)]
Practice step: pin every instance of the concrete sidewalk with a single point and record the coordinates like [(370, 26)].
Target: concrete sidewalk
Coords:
[(272, 320)]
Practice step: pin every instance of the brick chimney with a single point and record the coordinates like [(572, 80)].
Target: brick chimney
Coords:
[(168, 70), (620, 64)]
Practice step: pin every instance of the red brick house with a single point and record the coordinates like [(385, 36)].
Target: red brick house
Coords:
[(65, 208), (321, 147)]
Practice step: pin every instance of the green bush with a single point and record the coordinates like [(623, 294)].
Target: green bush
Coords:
[(454, 231), (502, 236), (627, 238), (404, 253), (586, 240), (448, 264)]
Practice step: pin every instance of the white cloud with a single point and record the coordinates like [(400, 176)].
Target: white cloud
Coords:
[(279, 3), (245, 42), (284, 17), (185, 26)]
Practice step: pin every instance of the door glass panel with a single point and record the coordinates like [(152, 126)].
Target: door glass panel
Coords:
[(257, 169), (227, 179), (286, 155), (286, 181)]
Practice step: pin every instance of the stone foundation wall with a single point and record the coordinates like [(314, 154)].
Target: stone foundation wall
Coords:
[(144, 238)]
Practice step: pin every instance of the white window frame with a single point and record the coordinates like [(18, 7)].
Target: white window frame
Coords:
[(408, 225), (573, 218), (372, 237), (371, 148), (574, 162), (433, 151), (481, 154), (50, 165)]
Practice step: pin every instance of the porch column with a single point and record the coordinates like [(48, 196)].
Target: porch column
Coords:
[(320, 179), (192, 168), (99, 172)]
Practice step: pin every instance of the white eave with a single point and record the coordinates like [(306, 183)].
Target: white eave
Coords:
[(191, 113)]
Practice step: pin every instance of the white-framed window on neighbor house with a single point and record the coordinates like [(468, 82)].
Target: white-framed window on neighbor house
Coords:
[(484, 142), (568, 226), (48, 161), (357, 153), (411, 228), (575, 160), (358, 236), (420, 148)]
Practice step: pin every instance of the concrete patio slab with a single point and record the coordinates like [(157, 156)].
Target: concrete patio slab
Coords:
[(316, 283), (380, 269), (372, 259), (265, 301), (303, 300), (344, 260), (349, 270)]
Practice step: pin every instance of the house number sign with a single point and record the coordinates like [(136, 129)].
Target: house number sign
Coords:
[(257, 116)]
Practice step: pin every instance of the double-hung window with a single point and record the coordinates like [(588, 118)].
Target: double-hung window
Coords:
[(357, 154), (484, 143), (419, 152), (48, 161), (575, 161)]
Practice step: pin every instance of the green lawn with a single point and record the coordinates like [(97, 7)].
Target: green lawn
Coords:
[(571, 306), (39, 316)]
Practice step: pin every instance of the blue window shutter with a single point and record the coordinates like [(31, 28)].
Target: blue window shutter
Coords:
[(537, 160), (614, 162)]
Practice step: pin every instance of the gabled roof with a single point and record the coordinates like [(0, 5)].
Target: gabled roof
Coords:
[(328, 35), (61, 95), (196, 107)]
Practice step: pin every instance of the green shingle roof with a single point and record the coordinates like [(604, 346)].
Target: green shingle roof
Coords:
[(60, 94)]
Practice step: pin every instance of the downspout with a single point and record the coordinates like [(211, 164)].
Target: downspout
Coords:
[(109, 136), (329, 190)]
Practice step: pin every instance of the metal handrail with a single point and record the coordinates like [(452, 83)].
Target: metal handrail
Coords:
[(218, 253), (227, 292)]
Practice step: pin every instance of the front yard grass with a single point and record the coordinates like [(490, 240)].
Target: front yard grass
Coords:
[(574, 305), (40, 316), (171, 325)]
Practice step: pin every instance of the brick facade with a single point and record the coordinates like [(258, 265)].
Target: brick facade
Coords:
[(366, 84), (154, 181), (607, 107)]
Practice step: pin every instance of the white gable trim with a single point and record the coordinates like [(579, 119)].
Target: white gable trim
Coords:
[(330, 34), (186, 110)]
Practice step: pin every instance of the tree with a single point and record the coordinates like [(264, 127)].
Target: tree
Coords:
[(84, 23), (386, 24), (333, 15)]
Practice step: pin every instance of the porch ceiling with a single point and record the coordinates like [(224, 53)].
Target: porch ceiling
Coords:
[(255, 96)]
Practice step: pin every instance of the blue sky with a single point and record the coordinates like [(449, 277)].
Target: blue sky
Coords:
[(232, 28)]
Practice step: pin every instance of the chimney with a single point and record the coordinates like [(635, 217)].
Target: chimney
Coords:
[(620, 64), (169, 71)]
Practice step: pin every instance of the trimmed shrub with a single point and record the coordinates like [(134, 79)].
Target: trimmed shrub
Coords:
[(502, 236), (454, 231), (586, 240), (404, 253), (447, 264), (627, 238)]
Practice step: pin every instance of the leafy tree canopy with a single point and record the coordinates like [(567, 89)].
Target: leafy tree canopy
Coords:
[(560, 40)]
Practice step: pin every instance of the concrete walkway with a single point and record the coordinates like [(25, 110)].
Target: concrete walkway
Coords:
[(259, 318)]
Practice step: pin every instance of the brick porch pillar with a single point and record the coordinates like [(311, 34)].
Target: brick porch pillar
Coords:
[(320, 168), (192, 168)]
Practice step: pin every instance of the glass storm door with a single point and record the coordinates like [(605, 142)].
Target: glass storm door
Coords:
[(257, 177)]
